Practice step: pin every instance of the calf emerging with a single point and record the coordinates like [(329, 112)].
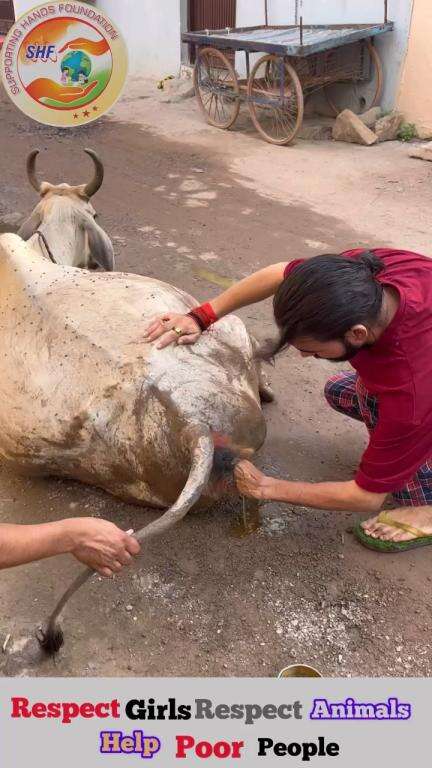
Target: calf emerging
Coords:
[(62, 226)]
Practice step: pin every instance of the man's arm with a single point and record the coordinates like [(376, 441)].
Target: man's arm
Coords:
[(338, 496), (252, 289), (97, 543)]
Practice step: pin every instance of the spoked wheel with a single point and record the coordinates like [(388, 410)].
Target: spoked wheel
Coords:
[(276, 113), (361, 96), (216, 87)]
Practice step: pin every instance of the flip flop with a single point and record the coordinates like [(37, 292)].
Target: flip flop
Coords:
[(380, 545)]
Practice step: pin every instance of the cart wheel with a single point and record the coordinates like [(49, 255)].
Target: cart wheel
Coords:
[(360, 99), (277, 120), (216, 87)]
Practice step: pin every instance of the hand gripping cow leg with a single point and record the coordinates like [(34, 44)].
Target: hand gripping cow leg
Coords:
[(51, 639)]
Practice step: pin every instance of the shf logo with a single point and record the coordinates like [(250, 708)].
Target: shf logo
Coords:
[(115, 742), (43, 52), (67, 69)]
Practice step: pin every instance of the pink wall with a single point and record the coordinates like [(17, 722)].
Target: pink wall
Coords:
[(415, 92)]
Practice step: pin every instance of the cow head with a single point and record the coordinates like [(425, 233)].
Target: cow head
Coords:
[(63, 223)]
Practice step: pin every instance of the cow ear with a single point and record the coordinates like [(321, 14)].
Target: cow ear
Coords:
[(100, 246), (30, 225)]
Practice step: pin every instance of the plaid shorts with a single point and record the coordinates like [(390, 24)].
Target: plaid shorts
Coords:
[(346, 393)]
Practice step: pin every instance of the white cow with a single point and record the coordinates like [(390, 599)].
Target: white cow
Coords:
[(82, 396)]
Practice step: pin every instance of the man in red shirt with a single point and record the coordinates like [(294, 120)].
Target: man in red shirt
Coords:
[(375, 310)]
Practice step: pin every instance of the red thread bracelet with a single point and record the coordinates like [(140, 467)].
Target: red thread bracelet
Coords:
[(204, 315)]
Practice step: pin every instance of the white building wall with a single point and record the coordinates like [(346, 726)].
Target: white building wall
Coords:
[(252, 12), (392, 47), (21, 6), (151, 29)]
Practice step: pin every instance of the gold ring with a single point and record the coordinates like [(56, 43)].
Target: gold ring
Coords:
[(178, 331)]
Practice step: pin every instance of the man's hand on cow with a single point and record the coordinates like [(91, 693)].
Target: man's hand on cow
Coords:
[(100, 545), (251, 482), (173, 329)]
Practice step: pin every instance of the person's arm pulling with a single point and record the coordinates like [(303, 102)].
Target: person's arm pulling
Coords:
[(97, 543), (257, 287), (337, 496)]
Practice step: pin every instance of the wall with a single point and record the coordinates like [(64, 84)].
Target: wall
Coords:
[(251, 12), (415, 94), (392, 47), (151, 28), (21, 6)]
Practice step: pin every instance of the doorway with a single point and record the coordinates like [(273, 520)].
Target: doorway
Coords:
[(7, 18), (211, 14)]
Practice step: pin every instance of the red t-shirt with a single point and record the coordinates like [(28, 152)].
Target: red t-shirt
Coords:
[(397, 369)]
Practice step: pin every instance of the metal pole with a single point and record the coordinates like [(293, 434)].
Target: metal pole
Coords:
[(385, 11), (266, 12), (282, 78), (301, 30)]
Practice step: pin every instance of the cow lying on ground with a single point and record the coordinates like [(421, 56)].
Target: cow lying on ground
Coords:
[(81, 395)]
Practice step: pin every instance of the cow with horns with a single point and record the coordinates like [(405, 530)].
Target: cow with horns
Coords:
[(83, 396), (62, 227)]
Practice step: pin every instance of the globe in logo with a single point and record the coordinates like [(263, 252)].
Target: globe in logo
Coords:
[(75, 67)]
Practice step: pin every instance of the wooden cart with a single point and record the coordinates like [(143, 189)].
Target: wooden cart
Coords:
[(297, 61)]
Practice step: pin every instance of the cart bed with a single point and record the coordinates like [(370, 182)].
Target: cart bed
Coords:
[(286, 40)]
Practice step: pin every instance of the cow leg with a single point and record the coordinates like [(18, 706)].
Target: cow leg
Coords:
[(264, 387)]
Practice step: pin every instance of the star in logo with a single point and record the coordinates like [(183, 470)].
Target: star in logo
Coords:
[(76, 116), (95, 109), (86, 113)]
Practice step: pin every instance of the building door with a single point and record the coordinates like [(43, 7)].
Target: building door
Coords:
[(211, 14), (7, 18)]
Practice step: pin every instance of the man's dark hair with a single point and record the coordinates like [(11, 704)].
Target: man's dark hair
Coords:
[(326, 295)]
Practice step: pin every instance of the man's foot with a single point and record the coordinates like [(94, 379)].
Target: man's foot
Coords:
[(418, 518)]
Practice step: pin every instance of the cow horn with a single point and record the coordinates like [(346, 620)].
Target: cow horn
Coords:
[(52, 638), (92, 187), (31, 169)]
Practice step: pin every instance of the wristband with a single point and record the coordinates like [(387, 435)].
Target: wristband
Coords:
[(204, 315)]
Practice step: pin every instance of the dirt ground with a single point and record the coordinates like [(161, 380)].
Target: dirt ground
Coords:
[(189, 204)]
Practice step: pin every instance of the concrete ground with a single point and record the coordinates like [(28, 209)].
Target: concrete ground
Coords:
[(195, 206)]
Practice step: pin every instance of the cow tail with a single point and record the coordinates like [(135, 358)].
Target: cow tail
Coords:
[(202, 451)]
